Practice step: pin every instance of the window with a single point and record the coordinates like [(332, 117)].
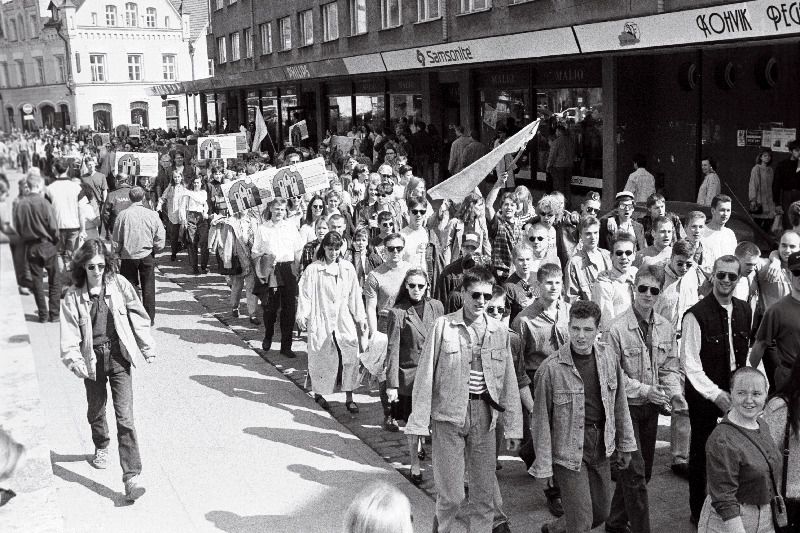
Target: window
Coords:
[(235, 50), (266, 38), (222, 50), (60, 73), (330, 21), (211, 67), (358, 17), (285, 33), (111, 15), (166, 22), (469, 6), (248, 42), (390, 13), (21, 27), (21, 81), (94, 19), (132, 15), (427, 10), (219, 4), (34, 26), (4, 74), (12, 30), (170, 72), (306, 27), (134, 67), (150, 17), (40, 80), (98, 64)]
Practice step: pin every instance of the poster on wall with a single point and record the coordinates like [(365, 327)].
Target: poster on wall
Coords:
[(766, 138), (222, 147), (134, 130), (137, 163), (101, 139), (286, 182), (781, 137), (490, 116), (741, 138), (753, 138)]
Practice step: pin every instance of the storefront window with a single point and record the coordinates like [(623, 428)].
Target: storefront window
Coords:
[(222, 105), (269, 110), (252, 105), (371, 110), (211, 111), (502, 113), (340, 114), (288, 109), (580, 110), (408, 106)]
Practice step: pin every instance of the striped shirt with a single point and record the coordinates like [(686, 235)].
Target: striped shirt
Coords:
[(477, 334)]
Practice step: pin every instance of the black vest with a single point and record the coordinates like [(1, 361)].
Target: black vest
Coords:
[(715, 347)]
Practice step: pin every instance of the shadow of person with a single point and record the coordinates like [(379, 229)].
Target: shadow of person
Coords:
[(101, 490)]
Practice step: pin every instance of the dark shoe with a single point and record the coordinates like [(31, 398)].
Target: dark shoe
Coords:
[(555, 507), (501, 528), (416, 479), (322, 402), (133, 490), (390, 425), (173, 258), (694, 520), (24, 291), (54, 319), (288, 353), (422, 455), (195, 272), (255, 321), (351, 406), (266, 345), (204, 270), (681, 470), (235, 313), (42, 319)]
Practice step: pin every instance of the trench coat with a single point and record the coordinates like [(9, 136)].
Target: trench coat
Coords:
[(330, 301)]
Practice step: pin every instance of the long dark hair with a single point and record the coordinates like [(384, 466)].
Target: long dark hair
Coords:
[(330, 239), (89, 249), (310, 212), (790, 392), (403, 296)]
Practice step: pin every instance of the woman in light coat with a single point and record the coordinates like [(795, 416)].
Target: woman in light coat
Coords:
[(170, 205), (762, 208), (330, 308)]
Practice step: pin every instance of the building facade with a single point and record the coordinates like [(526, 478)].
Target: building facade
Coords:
[(91, 64), (677, 80)]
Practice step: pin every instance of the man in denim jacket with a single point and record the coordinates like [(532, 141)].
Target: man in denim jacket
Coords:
[(644, 343), (465, 379), (581, 418)]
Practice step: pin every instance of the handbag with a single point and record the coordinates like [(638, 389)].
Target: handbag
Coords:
[(780, 516)]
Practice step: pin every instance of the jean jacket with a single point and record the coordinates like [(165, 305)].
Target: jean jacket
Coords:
[(131, 322), (441, 387), (558, 412)]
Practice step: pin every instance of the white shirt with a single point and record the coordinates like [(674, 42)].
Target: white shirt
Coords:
[(416, 244), (281, 240), (64, 193), (642, 184), (717, 243), (691, 340)]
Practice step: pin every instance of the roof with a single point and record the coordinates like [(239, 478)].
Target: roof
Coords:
[(198, 15)]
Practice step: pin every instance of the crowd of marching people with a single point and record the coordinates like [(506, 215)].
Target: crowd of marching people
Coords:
[(487, 323)]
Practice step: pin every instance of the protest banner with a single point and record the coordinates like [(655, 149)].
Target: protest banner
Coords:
[(221, 147), (241, 141), (286, 182), (100, 139), (134, 130), (137, 164), (342, 144), (457, 187)]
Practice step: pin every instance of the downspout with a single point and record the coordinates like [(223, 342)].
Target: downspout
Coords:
[(194, 97), (68, 52), (445, 23)]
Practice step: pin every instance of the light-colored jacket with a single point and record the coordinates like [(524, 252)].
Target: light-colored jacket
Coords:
[(441, 387), (559, 416), (582, 274), (131, 322), (642, 372)]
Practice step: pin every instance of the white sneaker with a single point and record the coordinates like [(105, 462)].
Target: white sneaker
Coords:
[(100, 459)]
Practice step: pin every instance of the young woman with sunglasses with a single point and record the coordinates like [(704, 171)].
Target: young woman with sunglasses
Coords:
[(380, 290), (103, 326), (315, 210), (407, 332)]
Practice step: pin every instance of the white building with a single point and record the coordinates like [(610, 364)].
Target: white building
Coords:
[(117, 49)]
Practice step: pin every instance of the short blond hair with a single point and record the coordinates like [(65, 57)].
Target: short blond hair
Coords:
[(380, 508)]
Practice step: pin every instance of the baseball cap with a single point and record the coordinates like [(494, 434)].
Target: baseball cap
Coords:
[(623, 195), (470, 239)]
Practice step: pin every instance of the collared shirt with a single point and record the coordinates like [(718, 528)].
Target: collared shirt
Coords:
[(507, 235), (613, 292), (678, 295), (541, 334), (642, 184), (717, 243), (582, 271), (691, 341), (281, 240), (138, 232), (520, 294), (34, 219), (652, 256)]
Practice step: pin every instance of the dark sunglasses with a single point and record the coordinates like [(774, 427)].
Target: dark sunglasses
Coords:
[(591, 209), (317, 206), (486, 296), (536, 239), (387, 224), (655, 291), (418, 211), (101, 267), (395, 248), (499, 310), (620, 253), (732, 276), (412, 286), (386, 175)]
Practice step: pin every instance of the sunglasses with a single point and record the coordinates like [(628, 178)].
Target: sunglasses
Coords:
[(388, 224), (412, 286), (499, 310), (655, 291), (626, 207), (486, 296), (101, 267), (591, 209), (687, 264), (536, 239), (317, 206), (732, 276), (386, 175), (395, 249), (418, 211), (620, 253)]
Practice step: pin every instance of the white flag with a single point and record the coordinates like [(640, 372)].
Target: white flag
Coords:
[(457, 187), (261, 131)]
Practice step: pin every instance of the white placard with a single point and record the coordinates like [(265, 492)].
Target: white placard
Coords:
[(134, 130), (221, 147), (137, 164)]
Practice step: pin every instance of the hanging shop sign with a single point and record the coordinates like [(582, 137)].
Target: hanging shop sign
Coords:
[(745, 20), (543, 43)]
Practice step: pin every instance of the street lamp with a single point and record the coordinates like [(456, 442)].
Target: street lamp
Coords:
[(56, 23)]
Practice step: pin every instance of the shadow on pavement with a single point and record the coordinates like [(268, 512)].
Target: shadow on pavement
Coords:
[(68, 475), (234, 523)]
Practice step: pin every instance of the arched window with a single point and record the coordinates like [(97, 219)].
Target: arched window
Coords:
[(131, 15), (48, 116), (139, 113), (150, 18), (21, 27), (102, 117)]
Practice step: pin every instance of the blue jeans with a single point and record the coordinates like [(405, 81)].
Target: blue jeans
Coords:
[(122, 396), (586, 494), (630, 501)]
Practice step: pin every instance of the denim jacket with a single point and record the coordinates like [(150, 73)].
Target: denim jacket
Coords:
[(131, 322), (625, 342), (441, 387), (558, 412)]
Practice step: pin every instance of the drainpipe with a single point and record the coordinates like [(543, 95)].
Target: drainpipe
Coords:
[(445, 22), (68, 52)]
